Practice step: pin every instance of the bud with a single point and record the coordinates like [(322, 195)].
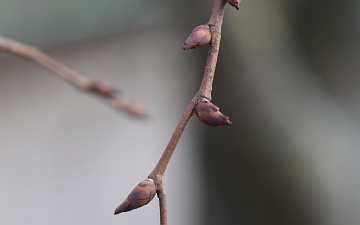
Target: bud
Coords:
[(199, 37), (103, 88), (142, 194), (209, 114), (235, 3)]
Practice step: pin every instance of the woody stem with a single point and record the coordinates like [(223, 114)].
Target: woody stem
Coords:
[(205, 89)]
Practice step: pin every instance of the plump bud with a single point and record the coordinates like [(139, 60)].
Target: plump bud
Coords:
[(209, 114), (104, 89), (199, 37), (142, 194), (235, 3)]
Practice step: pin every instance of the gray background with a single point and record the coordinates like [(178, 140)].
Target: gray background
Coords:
[(287, 77)]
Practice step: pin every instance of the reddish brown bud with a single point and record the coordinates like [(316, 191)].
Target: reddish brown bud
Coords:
[(103, 89), (142, 194), (209, 114), (199, 37), (235, 3)]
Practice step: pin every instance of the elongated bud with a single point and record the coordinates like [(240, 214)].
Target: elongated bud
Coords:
[(104, 89), (209, 114), (235, 3), (142, 194), (199, 37)]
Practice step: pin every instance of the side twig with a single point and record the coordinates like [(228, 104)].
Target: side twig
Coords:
[(101, 89)]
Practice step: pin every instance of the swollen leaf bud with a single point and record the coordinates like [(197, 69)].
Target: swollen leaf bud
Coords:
[(199, 37), (209, 114), (235, 3), (142, 194)]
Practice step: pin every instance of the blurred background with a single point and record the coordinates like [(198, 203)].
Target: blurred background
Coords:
[(287, 76)]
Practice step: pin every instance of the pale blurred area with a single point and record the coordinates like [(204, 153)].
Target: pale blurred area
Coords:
[(287, 76)]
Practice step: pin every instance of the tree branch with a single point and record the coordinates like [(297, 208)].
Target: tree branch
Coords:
[(162, 200), (214, 24), (101, 89), (205, 89)]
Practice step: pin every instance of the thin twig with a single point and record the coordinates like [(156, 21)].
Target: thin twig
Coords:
[(99, 88), (214, 24), (162, 200), (205, 89), (160, 168)]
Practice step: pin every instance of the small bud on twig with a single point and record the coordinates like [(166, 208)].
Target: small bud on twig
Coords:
[(235, 3), (199, 37), (141, 195), (104, 89), (209, 114)]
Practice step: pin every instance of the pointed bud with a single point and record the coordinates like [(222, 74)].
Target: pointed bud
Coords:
[(142, 194), (199, 37), (235, 3), (104, 89), (209, 114)]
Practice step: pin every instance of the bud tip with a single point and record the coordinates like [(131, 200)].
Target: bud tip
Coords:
[(199, 37), (141, 195), (209, 114), (234, 3)]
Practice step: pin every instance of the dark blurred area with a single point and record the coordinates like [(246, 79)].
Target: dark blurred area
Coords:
[(287, 76)]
